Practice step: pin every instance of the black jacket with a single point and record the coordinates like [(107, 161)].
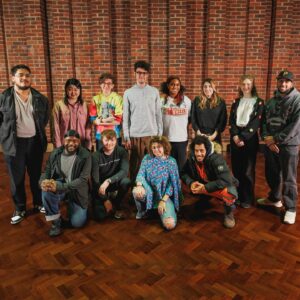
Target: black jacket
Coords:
[(217, 171), (282, 118), (8, 129), (77, 188), (247, 132), (115, 169)]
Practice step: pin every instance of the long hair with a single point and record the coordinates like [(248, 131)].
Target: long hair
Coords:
[(253, 90), (214, 100), (75, 82)]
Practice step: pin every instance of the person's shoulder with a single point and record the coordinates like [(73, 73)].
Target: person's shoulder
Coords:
[(216, 157), (36, 93), (117, 96), (186, 99), (55, 152), (7, 92), (172, 161), (83, 152)]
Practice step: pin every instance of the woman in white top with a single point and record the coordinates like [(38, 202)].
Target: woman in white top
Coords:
[(176, 109), (244, 121)]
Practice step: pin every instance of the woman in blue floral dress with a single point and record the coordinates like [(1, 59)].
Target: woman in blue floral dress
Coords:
[(158, 184)]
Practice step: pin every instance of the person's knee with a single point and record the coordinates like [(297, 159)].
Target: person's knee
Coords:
[(78, 222), (125, 184), (169, 223)]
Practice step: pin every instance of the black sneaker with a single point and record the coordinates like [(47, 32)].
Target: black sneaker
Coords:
[(39, 208), (18, 216), (55, 229)]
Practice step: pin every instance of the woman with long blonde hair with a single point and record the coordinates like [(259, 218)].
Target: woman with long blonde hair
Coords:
[(244, 121), (209, 115)]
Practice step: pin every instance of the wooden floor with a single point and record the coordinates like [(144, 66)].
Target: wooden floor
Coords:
[(200, 259)]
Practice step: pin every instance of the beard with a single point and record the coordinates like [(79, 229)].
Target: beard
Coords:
[(23, 88)]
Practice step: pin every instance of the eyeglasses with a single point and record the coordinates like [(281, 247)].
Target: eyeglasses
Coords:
[(107, 83), (27, 75), (141, 73)]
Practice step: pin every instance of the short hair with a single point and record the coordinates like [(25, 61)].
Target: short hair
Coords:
[(201, 140), (72, 132), (162, 140), (109, 134), (142, 64), (253, 90), (164, 87), (105, 76), (15, 69), (75, 82)]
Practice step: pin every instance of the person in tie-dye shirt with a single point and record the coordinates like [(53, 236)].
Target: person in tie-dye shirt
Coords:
[(106, 109)]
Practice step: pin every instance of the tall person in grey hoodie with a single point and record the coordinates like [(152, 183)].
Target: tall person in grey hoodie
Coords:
[(281, 133), (141, 116)]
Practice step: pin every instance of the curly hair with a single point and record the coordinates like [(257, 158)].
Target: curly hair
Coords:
[(253, 90), (162, 140), (201, 140), (164, 86), (215, 99)]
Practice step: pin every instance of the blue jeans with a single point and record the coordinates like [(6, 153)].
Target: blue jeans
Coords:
[(51, 201), (170, 211)]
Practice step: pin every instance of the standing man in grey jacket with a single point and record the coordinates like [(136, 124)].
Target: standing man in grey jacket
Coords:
[(24, 114), (141, 116), (281, 133)]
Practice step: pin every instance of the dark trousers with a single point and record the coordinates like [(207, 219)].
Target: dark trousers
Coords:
[(29, 156), (121, 187), (243, 161), (281, 175), (179, 153)]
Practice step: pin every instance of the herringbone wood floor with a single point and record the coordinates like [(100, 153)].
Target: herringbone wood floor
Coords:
[(258, 259)]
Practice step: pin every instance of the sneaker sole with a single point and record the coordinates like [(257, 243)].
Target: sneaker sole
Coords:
[(16, 220)]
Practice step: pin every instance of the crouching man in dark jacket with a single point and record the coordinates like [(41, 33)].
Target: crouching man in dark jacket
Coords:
[(206, 172), (109, 177), (66, 177)]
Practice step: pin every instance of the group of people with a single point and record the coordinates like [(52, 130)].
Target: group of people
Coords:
[(145, 134)]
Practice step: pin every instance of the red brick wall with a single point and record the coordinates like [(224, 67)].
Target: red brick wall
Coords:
[(221, 39)]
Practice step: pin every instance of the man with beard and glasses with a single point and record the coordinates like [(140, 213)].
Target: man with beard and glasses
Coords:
[(281, 133), (24, 114), (66, 178)]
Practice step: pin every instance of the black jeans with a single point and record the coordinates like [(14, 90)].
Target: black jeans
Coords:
[(243, 161), (281, 175), (121, 187), (29, 156), (178, 151)]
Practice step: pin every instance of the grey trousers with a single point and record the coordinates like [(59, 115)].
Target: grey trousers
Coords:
[(281, 175)]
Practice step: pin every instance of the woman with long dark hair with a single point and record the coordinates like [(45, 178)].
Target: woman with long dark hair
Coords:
[(176, 108), (209, 114), (244, 121), (71, 113)]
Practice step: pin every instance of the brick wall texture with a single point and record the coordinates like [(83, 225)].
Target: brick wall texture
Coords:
[(194, 39)]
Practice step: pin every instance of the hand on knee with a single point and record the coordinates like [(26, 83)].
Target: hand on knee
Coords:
[(169, 223), (138, 193)]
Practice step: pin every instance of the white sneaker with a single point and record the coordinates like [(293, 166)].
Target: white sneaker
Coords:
[(267, 202), (289, 217)]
